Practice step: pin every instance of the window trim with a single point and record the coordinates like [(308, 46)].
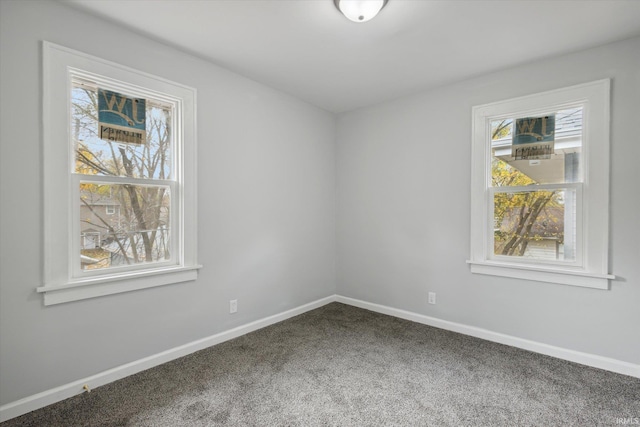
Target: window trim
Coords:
[(591, 268), (60, 283)]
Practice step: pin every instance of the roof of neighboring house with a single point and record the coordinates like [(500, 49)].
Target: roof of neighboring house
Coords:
[(567, 125), (96, 199)]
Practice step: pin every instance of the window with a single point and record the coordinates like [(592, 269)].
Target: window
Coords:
[(109, 169), (539, 192), (119, 149)]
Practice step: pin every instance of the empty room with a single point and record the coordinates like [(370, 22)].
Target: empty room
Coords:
[(319, 213)]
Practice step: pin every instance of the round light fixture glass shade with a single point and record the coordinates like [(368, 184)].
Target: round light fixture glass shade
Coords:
[(360, 10)]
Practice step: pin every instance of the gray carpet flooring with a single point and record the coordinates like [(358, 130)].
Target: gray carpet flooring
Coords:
[(344, 366)]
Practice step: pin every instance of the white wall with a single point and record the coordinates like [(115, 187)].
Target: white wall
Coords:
[(266, 204), (403, 176)]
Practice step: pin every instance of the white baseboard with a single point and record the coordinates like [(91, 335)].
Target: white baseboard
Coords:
[(40, 400), (592, 360)]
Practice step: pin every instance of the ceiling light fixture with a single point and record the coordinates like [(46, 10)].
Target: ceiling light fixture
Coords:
[(360, 10)]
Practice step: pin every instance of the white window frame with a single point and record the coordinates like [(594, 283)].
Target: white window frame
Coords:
[(590, 269), (63, 280), (110, 209)]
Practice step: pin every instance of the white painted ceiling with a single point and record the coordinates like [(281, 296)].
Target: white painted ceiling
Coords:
[(308, 49)]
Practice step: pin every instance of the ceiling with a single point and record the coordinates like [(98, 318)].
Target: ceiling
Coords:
[(308, 49)]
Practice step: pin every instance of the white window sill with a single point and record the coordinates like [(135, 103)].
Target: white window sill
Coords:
[(130, 281), (543, 274)]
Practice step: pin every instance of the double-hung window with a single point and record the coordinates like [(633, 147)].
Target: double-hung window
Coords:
[(540, 182), (119, 168)]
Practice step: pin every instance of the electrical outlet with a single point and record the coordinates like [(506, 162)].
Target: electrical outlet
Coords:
[(233, 306), (432, 297)]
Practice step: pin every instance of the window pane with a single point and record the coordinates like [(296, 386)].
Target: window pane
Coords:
[(538, 225), (150, 157), (137, 231), (537, 150)]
